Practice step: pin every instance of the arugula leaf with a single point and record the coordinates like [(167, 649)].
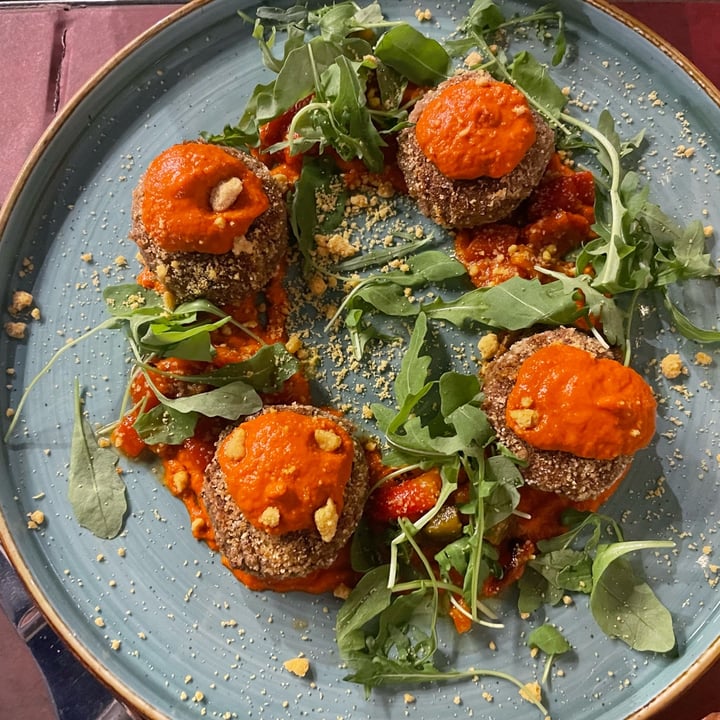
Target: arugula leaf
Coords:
[(266, 370), (534, 591), (414, 367), (316, 178), (624, 606), (680, 251), (175, 338), (387, 640), (360, 331), (295, 38), (533, 78), (483, 16), (367, 600), (95, 489), (688, 328), (420, 59), (228, 401), (386, 291), (551, 641), (500, 489), (130, 300), (548, 639), (595, 304), (152, 329), (566, 569), (297, 79), (514, 304), (164, 424), (342, 19), (339, 117), (237, 385)]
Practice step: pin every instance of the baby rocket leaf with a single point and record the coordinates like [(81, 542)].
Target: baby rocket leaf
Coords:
[(548, 639), (95, 489), (625, 606), (228, 401), (420, 59), (166, 425), (512, 305)]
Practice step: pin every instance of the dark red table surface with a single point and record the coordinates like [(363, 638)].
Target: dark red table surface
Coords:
[(62, 46)]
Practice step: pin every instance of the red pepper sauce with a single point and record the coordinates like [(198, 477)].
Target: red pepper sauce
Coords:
[(177, 190), (335, 578), (476, 127), (281, 467), (280, 162), (565, 399), (555, 219)]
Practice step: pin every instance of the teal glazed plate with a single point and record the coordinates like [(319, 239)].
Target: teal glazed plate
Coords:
[(154, 613)]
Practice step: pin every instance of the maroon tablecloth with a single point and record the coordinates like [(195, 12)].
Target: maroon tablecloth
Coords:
[(48, 52)]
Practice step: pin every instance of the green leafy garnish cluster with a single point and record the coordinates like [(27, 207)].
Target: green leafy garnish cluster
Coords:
[(622, 604), (96, 490), (336, 67), (227, 392)]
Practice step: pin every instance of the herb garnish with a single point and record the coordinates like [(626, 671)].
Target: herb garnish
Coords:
[(638, 248), (95, 489), (622, 605), (334, 67)]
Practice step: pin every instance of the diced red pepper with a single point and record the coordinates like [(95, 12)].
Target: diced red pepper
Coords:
[(408, 498)]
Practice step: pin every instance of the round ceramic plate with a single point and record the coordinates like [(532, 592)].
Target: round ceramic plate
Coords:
[(153, 612)]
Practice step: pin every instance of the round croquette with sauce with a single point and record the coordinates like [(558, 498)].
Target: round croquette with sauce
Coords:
[(575, 477), (205, 232), (457, 202), (255, 543)]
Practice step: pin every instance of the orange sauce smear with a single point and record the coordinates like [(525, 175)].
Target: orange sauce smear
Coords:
[(176, 206), (555, 219), (566, 399), (280, 162), (476, 128), (546, 510)]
